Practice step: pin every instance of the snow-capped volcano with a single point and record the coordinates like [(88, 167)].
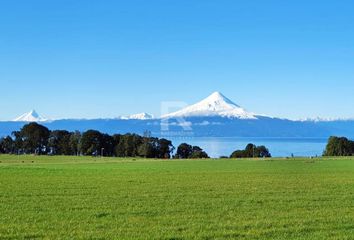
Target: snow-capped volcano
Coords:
[(139, 116), (214, 105), (31, 116)]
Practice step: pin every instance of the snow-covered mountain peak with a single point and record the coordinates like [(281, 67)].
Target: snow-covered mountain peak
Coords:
[(31, 116), (218, 98), (214, 105)]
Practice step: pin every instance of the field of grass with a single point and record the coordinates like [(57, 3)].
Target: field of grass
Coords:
[(95, 198)]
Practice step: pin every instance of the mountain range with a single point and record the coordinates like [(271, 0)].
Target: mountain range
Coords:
[(215, 116)]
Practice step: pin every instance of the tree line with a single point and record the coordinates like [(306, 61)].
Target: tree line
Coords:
[(34, 138)]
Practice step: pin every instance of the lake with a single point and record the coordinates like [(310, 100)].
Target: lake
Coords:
[(278, 147)]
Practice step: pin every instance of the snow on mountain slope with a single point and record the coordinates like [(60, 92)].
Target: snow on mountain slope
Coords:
[(31, 116), (139, 116), (214, 105)]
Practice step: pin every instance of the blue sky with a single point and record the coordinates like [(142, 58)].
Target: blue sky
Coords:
[(107, 58)]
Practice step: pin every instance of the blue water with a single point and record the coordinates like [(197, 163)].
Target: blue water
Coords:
[(278, 147)]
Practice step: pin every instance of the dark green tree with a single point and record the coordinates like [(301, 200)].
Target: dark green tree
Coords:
[(128, 145), (34, 138), (251, 151), (7, 145), (184, 150), (262, 152), (59, 142), (165, 148), (197, 152), (107, 145), (75, 143), (146, 150), (18, 142), (91, 143), (238, 154), (339, 146)]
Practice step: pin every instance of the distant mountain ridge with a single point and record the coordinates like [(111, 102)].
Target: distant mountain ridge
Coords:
[(215, 105), (139, 116), (215, 116)]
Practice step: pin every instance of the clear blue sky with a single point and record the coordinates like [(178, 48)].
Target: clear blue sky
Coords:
[(107, 58)]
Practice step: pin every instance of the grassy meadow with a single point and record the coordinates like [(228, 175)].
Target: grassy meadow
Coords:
[(111, 198)]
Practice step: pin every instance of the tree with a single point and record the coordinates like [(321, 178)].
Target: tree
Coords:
[(59, 142), (238, 154), (128, 145), (18, 142), (74, 143), (33, 138), (7, 145), (184, 150), (188, 151), (91, 143), (263, 152), (339, 146), (197, 152), (251, 151), (116, 139), (107, 145), (146, 150), (165, 148)]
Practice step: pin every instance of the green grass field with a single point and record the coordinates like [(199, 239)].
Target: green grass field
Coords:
[(87, 198)]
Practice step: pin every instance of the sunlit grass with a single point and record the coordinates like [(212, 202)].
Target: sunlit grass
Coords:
[(109, 198)]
